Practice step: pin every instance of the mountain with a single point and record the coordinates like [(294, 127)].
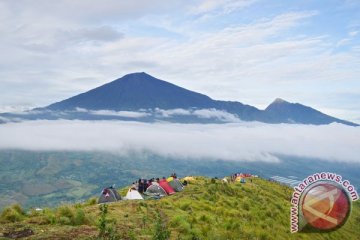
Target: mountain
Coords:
[(135, 91), (206, 209), (142, 97), (141, 91), (283, 111)]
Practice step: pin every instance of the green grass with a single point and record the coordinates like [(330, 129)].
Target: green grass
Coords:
[(204, 210)]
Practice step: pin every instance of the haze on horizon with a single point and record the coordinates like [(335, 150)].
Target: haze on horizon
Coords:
[(251, 51)]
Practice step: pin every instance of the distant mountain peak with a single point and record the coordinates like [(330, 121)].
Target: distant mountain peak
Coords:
[(280, 100), (139, 90), (137, 74), (135, 91)]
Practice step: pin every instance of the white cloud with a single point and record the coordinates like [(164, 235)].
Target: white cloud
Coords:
[(217, 114), (237, 54), (225, 6), (83, 110), (157, 114), (129, 114), (353, 33), (343, 42), (200, 113), (236, 142), (173, 112)]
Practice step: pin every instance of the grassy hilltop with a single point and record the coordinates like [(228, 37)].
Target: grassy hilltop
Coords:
[(47, 179), (204, 210)]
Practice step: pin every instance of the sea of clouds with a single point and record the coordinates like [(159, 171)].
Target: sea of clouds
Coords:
[(242, 141)]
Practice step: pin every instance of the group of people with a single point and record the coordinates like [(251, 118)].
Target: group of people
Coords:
[(235, 176), (141, 185)]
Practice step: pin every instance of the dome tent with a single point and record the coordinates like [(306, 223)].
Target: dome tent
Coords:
[(165, 185), (133, 194), (155, 190), (176, 185), (109, 195)]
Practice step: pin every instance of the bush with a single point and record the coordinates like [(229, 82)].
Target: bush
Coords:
[(18, 209), (106, 230), (79, 218), (65, 211), (14, 213), (64, 220), (91, 201), (69, 216), (10, 215), (161, 231), (49, 215), (34, 213)]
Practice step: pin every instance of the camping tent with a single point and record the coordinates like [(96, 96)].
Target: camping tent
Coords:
[(133, 195), (109, 195), (165, 185), (176, 185), (156, 190), (238, 179)]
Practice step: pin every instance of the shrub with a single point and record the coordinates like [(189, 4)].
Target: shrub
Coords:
[(18, 209), (106, 230), (91, 201), (66, 215), (65, 211), (34, 213), (161, 231), (14, 213), (10, 215), (79, 218), (49, 215), (64, 220)]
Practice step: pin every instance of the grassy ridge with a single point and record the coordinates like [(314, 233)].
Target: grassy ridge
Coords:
[(204, 210), (47, 179)]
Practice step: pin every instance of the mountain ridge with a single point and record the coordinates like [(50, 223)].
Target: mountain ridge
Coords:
[(142, 92)]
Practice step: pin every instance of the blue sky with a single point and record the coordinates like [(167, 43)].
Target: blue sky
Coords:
[(246, 50)]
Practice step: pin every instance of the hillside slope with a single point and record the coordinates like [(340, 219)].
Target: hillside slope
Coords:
[(204, 210)]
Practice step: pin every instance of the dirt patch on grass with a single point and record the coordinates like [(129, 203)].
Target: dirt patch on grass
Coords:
[(19, 234)]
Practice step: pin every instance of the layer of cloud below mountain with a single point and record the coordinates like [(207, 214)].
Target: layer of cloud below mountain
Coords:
[(234, 141)]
